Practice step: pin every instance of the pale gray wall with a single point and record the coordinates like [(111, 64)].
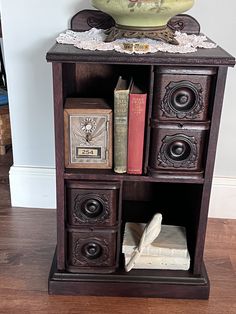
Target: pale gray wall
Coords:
[(30, 28), (219, 24)]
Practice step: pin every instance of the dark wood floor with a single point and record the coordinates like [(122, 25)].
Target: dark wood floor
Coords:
[(27, 242)]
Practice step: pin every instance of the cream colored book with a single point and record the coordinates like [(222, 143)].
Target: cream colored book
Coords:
[(170, 242), (121, 110), (160, 262)]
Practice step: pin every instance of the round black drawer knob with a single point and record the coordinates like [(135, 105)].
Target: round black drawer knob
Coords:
[(92, 250), (92, 208), (178, 150), (183, 99)]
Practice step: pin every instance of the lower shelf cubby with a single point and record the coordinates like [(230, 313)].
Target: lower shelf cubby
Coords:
[(179, 205)]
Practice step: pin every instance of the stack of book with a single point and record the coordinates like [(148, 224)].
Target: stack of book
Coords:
[(168, 251), (129, 126)]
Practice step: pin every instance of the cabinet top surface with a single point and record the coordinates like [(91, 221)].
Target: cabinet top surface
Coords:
[(68, 53)]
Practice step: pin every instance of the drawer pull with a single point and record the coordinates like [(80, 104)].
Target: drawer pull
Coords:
[(92, 250), (92, 208), (183, 99), (178, 151)]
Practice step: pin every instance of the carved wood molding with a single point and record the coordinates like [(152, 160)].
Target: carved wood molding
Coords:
[(185, 23), (87, 19)]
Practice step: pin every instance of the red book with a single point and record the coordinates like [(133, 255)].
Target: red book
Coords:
[(136, 126)]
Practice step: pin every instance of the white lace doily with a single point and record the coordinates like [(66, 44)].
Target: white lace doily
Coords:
[(94, 40)]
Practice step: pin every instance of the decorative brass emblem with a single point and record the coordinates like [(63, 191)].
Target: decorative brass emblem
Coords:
[(132, 47)]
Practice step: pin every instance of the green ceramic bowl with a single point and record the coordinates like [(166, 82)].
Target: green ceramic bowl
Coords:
[(143, 13)]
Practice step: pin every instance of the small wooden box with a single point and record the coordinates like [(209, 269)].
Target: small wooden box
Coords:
[(177, 148), (88, 133), (182, 94), (92, 251), (92, 204)]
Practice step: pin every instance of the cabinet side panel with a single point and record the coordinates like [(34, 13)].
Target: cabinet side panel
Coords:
[(209, 167), (59, 142)]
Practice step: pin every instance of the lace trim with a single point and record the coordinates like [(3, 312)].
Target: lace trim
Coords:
[(94, 40)]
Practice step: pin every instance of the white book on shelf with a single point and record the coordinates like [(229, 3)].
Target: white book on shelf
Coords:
[(170, 242), (160, 262)]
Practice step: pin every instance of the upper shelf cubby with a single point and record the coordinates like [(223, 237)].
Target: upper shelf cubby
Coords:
[(99, 80)]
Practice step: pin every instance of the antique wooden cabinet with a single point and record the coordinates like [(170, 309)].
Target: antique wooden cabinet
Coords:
[(185, 96)]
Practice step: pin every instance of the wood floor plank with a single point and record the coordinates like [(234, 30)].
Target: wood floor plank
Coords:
[(41, 303), (191, 307), (233, 260), (4, 196)]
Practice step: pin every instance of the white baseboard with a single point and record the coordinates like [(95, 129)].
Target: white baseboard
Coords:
[(223, 198), (33, 187), (36, 188)]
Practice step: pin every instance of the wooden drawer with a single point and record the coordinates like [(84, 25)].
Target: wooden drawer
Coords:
[(92, 251), (177, 147), (94, 203), (182, 93)]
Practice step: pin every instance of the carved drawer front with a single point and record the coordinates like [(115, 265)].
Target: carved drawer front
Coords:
[(92, 251), (182, 93), (177, 147), (92, 203)]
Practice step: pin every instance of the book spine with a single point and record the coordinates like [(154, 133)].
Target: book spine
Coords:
[(121, 106), (136, 127), (148, 262), (159, 259), (153, 252)]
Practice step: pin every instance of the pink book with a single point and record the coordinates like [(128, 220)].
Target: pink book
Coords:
[(136, 129)]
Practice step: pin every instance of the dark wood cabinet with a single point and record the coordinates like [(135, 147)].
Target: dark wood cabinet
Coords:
[(185, 96)]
